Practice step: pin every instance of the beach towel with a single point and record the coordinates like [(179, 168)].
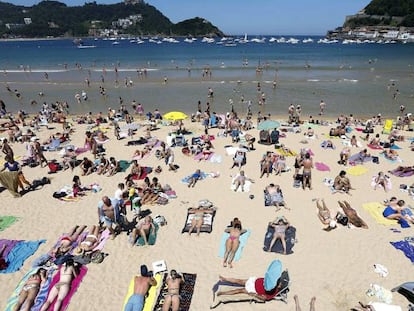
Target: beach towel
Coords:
[(186, 292), (124, 165), (152, 238), (357, 170), (44, 290), (223, 286), (186, 179), (399, 173), (10, 181), (290, 237), (144, 173), (152, 293), (7, 221), (74, 286), (246, 187), (374, 147), (406, 247), (207, 225), (395, 147), (325, 145), (322, 167), (202, 156), (356, 159), (243, 240), (387, 126), (286, 153), (17, 252), (375, 209), (397, 160)]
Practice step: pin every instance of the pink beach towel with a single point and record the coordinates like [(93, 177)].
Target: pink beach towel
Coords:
[(374, 147), (75, 284), (104, 237), (322, 166), (202, 156)]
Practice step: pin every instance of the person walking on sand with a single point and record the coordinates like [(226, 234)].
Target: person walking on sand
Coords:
[(322, 106), (307, 164), (142, 285)]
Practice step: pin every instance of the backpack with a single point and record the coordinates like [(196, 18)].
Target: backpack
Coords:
[(342, 219)]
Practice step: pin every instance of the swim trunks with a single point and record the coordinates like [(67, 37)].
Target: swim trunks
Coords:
[(250, 285), (135, 303)]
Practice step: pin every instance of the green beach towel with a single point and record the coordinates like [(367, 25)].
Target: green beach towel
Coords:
[(151, 239), (124, 165), (7, 221)]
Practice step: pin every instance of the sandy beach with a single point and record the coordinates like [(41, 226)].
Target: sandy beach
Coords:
[(336, 267)]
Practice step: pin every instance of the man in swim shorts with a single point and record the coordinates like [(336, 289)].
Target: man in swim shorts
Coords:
[(142, 284)]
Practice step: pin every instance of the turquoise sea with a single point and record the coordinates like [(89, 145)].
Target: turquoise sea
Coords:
[(351, 78)]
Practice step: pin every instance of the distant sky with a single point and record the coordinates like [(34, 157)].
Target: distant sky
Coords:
[(254, 17)]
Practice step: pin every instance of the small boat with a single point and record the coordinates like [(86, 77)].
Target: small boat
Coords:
[(83, 46)]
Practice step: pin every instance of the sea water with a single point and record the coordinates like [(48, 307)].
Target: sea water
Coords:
[(363, 79)]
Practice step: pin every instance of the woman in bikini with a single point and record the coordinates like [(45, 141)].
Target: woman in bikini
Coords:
[(143, 229), (324, 215), (152, 192), (232, 243), (91, 240), (68, 272), (66, 243), (381, 180), (172, 298), (30, 290), (266, 164), (280, 226), (198, 219)]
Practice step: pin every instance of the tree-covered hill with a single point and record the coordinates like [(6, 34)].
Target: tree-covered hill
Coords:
[(385, 13), (52, 18)]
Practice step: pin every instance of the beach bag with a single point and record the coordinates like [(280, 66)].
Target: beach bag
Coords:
[(160, 220), (375, 160), (97, 257), (342, 219), (205, 203)]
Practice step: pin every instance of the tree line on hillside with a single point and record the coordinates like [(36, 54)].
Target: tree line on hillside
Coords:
[(52, 18)]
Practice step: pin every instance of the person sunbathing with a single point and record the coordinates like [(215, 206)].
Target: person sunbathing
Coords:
[(266, 164), (142, 229), (91, 240), (30, 289), (390, 154), (66, 243), (151, 194), (3, 263), (280, 225), (276, 196), (198, 219), (113, 167), (402, 170), (194, 178), (103, 165), (252, 286), (395, 211), (324, 215), (232, 243), (375, 141), (240, 181), (352, 215), (239, 159), (68, 272), (172, 298)]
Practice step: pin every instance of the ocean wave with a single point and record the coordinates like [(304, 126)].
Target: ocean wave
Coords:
[(350, 80)]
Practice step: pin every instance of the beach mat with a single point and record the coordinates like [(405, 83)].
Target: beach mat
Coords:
[(322, 167), (357, 170), (74, 287), (7, 221), (397, 173), (17, 252), (243, 240), (152, 293), (124, 165), (375, 209), (152, 238), (207, 225), (186, 292), (406, 247), (246, 187), (290, 237), (285, 153)]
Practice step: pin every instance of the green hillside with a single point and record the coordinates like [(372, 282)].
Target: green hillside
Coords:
[(52, 18)]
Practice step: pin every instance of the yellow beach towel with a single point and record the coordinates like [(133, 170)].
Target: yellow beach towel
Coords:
[(357, 170), (375, 209), (285, 153), (152, 293)]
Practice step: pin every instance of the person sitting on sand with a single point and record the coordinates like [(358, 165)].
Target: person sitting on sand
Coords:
[(344, 155), (151, 194), (266, 164), (279, 165), (69, 158), (311, 304), (68, 272), (280, 225), (87, 166), (77, 188), (103, 165), (310, 133), (395, 211), (375, 141), (142, 229), (252, 286), (342, 183), (352, 215), (194, 178), (324, 215), (198, 218), (30, 289), (172, 298), (276, 196), (232, 243), (239, 159)]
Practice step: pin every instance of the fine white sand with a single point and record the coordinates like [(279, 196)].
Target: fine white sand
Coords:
[(336, 267)]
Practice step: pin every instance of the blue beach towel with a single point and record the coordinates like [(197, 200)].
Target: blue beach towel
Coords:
[(395, 147), (186, 179), (19, 253), (406, 247), (243, 240)]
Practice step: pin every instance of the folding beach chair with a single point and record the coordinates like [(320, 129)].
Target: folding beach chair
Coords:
[(387, 126)]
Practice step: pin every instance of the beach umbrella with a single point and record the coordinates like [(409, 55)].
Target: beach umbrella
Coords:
[(175, 115), (268, 125), (406, 289), (273, 273)]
